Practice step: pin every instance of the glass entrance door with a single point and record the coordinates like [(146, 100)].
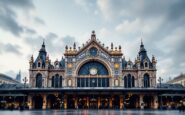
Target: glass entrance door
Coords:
[(93, 103)]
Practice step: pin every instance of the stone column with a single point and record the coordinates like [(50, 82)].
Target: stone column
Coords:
[(30, 104), (124, 101), (99, 102), (121, 102), (110, 102), (87, 102), (44, 105), (76, 102), (155, 103), (65, 101), (141, 103)]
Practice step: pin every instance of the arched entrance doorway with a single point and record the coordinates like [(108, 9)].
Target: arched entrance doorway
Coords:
[(148, 101), (37, 102), (131, 101), (54, 101)]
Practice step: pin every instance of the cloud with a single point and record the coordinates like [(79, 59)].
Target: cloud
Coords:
[(39, 21), (55, 45), (9, 15), (68, 40), (29, 31), (9, 48), (86, 5), (105, 8), (159, 23), (8, 22)]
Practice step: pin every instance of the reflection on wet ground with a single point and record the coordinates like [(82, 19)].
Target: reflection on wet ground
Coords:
[(93, 112)]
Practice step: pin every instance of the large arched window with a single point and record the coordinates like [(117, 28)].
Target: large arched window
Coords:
[(93, 67), (146, 80), (56, 81), (60, 84), (129, 81), (53, 81), (125, 82), (93, 82), (39, 80)]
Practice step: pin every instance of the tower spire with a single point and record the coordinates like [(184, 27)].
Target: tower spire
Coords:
[(141, 41), (43, 47), (142, 45), (43, 44)]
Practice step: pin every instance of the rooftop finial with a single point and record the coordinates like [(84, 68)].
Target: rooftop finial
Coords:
[(43, 42), (74, 45), (93, 35), (112, 46), (93, 32)]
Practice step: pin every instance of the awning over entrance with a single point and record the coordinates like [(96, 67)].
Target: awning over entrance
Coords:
[(14, 95), (182, 95)]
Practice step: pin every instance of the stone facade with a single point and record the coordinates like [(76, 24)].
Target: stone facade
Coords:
[(69, 70)]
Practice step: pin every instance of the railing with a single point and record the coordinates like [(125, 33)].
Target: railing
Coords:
[(93, 76)]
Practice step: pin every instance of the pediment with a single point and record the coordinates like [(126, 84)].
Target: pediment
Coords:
[(93, 42)]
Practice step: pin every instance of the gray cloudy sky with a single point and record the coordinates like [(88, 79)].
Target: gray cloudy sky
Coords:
[(25, 23)]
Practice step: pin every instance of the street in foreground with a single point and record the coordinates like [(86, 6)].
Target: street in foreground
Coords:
[(94, 112)]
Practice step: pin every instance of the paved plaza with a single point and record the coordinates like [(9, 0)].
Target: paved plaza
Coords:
[(94, 112)]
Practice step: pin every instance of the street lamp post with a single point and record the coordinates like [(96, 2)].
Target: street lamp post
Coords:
[(25, 81), (160, 81)]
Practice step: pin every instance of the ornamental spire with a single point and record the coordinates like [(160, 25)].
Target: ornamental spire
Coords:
[(43, 47), (142, 49), (141, 41)]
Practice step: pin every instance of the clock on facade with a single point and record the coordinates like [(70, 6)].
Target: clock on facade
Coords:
[(116, 65), (69, 65), (93, 51), (93, 71)]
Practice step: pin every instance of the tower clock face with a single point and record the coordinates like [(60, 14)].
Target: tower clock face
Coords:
[(93, 51), (93, 71)]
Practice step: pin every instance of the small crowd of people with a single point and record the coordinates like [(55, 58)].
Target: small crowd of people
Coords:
[(181, 108)]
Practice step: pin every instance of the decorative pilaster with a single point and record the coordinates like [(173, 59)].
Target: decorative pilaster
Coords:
[(87, 102), (44, 105), (141, 103), (30, 104), (121, 101), (110, 102), (155, 103), (65, 101), (76, 102), (99, 101)]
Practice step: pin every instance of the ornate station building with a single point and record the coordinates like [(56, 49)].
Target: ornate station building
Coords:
[(93, 65), (95, 77)]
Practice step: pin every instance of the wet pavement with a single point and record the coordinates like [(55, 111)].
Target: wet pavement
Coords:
[(92, 112)]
